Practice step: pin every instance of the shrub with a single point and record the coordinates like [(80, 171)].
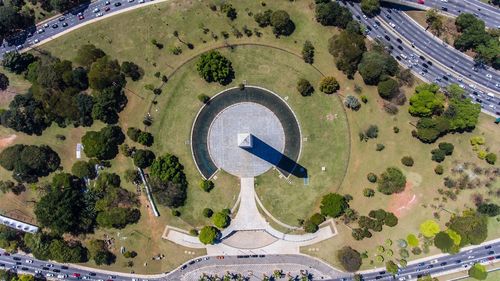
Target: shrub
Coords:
[(329, 85), (145, 138), (206, 185), (439, 170), (83, 169), (364, 99), (412, 240), (491, 158), (193, 232), (333, 205), (317, 218), (176, 50), (438, 155), (443, 241), (380, 147), (368, 192), (143, 158), (429, 228), (489, 209), (404, 253), (478, 271), (392, 181), (407, 161), (349, 258), (446, 147), (263, 19), (477, 140), (391, 220), (304, 87), (207, 212), (388, 89), (133, 133), (229, 10), (209, 235), (310, 227), (203, 98), (371, 177), (395, 129), (416, 251), (352, 102), (308, 52), (157, 91), (372, 132), (281, 23)]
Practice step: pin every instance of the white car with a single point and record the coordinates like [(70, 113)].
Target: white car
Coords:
[(96, 10), (36, 41), (49, 274), (489, 76), (497, 85), (29, 261), (99, 15), (392, 25), (40, 31), (46, 25), (130, 1), (141, 1)]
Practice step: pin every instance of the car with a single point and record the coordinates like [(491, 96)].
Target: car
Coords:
[(85, 277), (392, 24), (399, 40), (365, 17), (183, 266), (404, 56), (40, 31), (64, 267), (96, 10), (55, 25), (497, 85), (198, 260), (49, 265), (46, 25), (107, 9), (99, 15), (18, 263), (49, 274), (489, 75), (444, 8), (117, 4), (38, 271), (191, 262), (61, 18), (64, 24), (206, 258), (56, 270), (425, 65), (2, 264), (387, 38), (62, 276), (111, 277), (220, 257), (107, 3), (422, 57), (400, 47), (388, 16), (92, 274), (130, 1), (443, 263), (16, 258), (29, 261), (491, 252), (45, 268), (141, 1)]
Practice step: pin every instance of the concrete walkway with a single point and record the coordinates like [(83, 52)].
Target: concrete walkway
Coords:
[(250, 233)]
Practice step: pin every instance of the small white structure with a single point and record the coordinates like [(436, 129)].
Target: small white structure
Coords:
[(19, 225), (245, 140), (79, 148)]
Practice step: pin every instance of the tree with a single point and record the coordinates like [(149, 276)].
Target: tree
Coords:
[(214, 67), (329, 85), (391, 267), (332, 14), (118, 217), (430, 129), (99, 252), (370, 7), (88, 54), (263, 19), (435, 21), (145, 138), (310, 227), (317, 218), (103, 144), (333, 205), (347, 48), (221, 219), (390, 219), (83, 169), (4, 82), (491, 158), (388, 88), (143, 158), (489, 209), (207, 212), (391, 181), (462, 114), (133, 133), (169, 193), (13, 20), (229, 10), (429, 228), (167, 168), (105, 73), (412, 240), (406, 77), (446, 147), (352, 102), (132, 70), (29, 162), (16, 62), (478, 271), (308, 52), (407, 161), (471, 226), (376, 65), (349, 258), (209, 235), (281, 23), (206, 185), (443, 241), (425, 103), (304, 87), (368, 192)]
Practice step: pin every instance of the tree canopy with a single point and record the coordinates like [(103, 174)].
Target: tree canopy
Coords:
[(281, 23), (426, 101), (370, 7), (214, 67), (333, 205), (209, 235), (429, 228), (333, 14), (169, 181), (375, 65), (349, 258), (347, 48), (471, 226), (103, 144), (29, 162)]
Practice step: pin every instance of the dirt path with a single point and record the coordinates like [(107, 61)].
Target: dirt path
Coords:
[(6, 141), (401, 203)]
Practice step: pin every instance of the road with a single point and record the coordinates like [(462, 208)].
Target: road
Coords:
[(429, 59), (488, 13), (488, 252), (462, 260)]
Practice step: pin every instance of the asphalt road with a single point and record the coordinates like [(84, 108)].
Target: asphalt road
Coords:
[(485, 253), (462, 260), (488, 13), (438, 64)]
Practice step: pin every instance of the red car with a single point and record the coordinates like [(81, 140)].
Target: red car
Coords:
[(77, 275), (107, 9), (421, 2)]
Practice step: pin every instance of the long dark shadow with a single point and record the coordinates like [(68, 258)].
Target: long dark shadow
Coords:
[(268, 153)]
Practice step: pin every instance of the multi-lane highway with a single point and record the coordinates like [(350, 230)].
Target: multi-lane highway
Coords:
[(488, 13), (430, 59), (486, 253), (483, 254)]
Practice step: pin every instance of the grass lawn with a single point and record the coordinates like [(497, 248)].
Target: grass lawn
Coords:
[(422, 181)]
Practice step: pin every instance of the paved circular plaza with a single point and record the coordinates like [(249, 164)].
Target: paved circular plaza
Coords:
[(254, 115), (253, 121)]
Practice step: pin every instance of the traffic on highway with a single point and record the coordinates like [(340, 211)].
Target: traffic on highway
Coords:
[(430, 60), (489, 14)]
